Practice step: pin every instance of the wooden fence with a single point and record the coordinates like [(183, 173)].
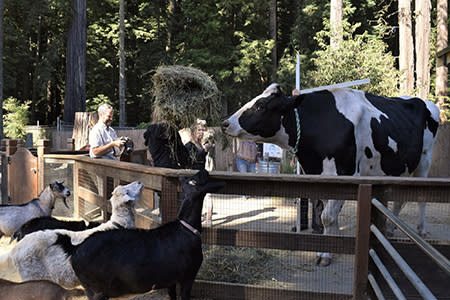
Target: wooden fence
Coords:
[(94, 180)]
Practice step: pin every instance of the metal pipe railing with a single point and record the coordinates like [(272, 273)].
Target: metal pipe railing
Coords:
[(435, 255), (376, 288), (403, 265), (387, 276)]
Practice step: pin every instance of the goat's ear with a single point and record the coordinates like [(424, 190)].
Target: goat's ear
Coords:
[(52, 185)]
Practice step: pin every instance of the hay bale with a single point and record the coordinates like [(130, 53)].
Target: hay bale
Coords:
[(182, 94)]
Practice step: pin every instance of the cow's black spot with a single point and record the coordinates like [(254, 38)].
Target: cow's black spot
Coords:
[(326, 133), (405, 124), (368, 152)]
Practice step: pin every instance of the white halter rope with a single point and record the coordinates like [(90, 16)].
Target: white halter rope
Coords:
[(297, 119), (295, 149)]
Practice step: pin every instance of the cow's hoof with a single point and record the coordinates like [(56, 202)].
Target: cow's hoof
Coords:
[(423, 233), (325, 261), (317, 260)]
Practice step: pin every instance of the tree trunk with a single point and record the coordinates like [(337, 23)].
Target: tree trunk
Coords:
[(406, 58), (442, 43), (273, 36), (75, 94), (122, 78), (423, 31), (1, 68), (335, 22)]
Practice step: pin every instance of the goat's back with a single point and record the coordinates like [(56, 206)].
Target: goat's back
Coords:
[(133, 261), (49, 222)]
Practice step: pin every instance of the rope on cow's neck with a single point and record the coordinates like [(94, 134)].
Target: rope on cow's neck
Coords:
[(297, 121), (295, 149)]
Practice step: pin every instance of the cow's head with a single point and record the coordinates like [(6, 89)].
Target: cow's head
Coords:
[(261, 118)]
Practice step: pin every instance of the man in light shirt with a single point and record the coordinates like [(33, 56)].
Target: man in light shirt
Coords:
[(103, 139)]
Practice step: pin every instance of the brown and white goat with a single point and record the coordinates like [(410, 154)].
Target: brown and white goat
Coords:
[(36, 290)]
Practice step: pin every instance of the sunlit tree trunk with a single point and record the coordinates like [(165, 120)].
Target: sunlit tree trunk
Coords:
[(1, 68), (273, 36), (335, 22), (406, 55), (442, 43), (423, 31), (122, 77)]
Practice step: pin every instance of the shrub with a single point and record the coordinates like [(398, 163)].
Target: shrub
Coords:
[(16, 118)]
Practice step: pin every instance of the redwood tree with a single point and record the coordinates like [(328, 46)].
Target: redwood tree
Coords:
[(75, 93)]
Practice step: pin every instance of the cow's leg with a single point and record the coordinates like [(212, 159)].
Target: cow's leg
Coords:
[(331, 226), (317, 209), (422, 171), (421, 227), (390, 227), (209, 210)]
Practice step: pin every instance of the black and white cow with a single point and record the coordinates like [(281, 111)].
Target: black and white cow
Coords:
[(343, 132)]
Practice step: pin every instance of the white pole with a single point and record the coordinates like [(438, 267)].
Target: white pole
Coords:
[(337, 85), (297, 86), (297, 73)]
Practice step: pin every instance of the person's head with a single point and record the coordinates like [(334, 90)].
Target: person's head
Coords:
[(198, 130), (105, 113)]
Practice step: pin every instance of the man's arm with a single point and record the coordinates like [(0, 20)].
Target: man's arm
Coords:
[(103, 149)]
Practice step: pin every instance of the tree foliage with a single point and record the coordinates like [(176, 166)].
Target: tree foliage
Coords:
[(15, 118), (229, 40)]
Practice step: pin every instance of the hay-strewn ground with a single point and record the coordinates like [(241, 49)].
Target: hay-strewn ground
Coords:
[(283, 269)]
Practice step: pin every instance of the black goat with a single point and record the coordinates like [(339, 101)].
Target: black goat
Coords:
[(44, 223), (134, 261)]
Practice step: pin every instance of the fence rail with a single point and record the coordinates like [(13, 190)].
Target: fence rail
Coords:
[(94, 179)]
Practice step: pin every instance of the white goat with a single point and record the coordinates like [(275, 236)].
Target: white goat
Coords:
[(36, 257), (14, 216)]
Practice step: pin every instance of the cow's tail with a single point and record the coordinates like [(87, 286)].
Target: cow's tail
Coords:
[(65, 242)]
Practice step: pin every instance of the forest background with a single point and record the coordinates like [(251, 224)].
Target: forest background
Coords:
[(243, 45)]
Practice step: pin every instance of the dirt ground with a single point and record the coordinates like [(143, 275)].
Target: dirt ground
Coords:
[(290, 269)]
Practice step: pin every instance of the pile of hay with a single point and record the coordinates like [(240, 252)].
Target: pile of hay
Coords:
[(237, 264), (184, 94)]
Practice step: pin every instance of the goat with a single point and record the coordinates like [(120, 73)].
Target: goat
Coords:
[(36, 290), (14, 216), (35, 256), (49, 222), (134, 261)]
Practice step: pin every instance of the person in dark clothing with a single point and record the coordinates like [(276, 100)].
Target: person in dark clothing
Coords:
[(196, 149), (166, 148)]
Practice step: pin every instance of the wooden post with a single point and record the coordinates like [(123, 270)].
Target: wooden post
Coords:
[(362, 241), (11, 147), (43, 148), (4, 174), (71, 144), (76, 186), (169, 199)]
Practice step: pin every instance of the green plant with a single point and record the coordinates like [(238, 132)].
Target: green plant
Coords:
[(16, 118), (357, 56)]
